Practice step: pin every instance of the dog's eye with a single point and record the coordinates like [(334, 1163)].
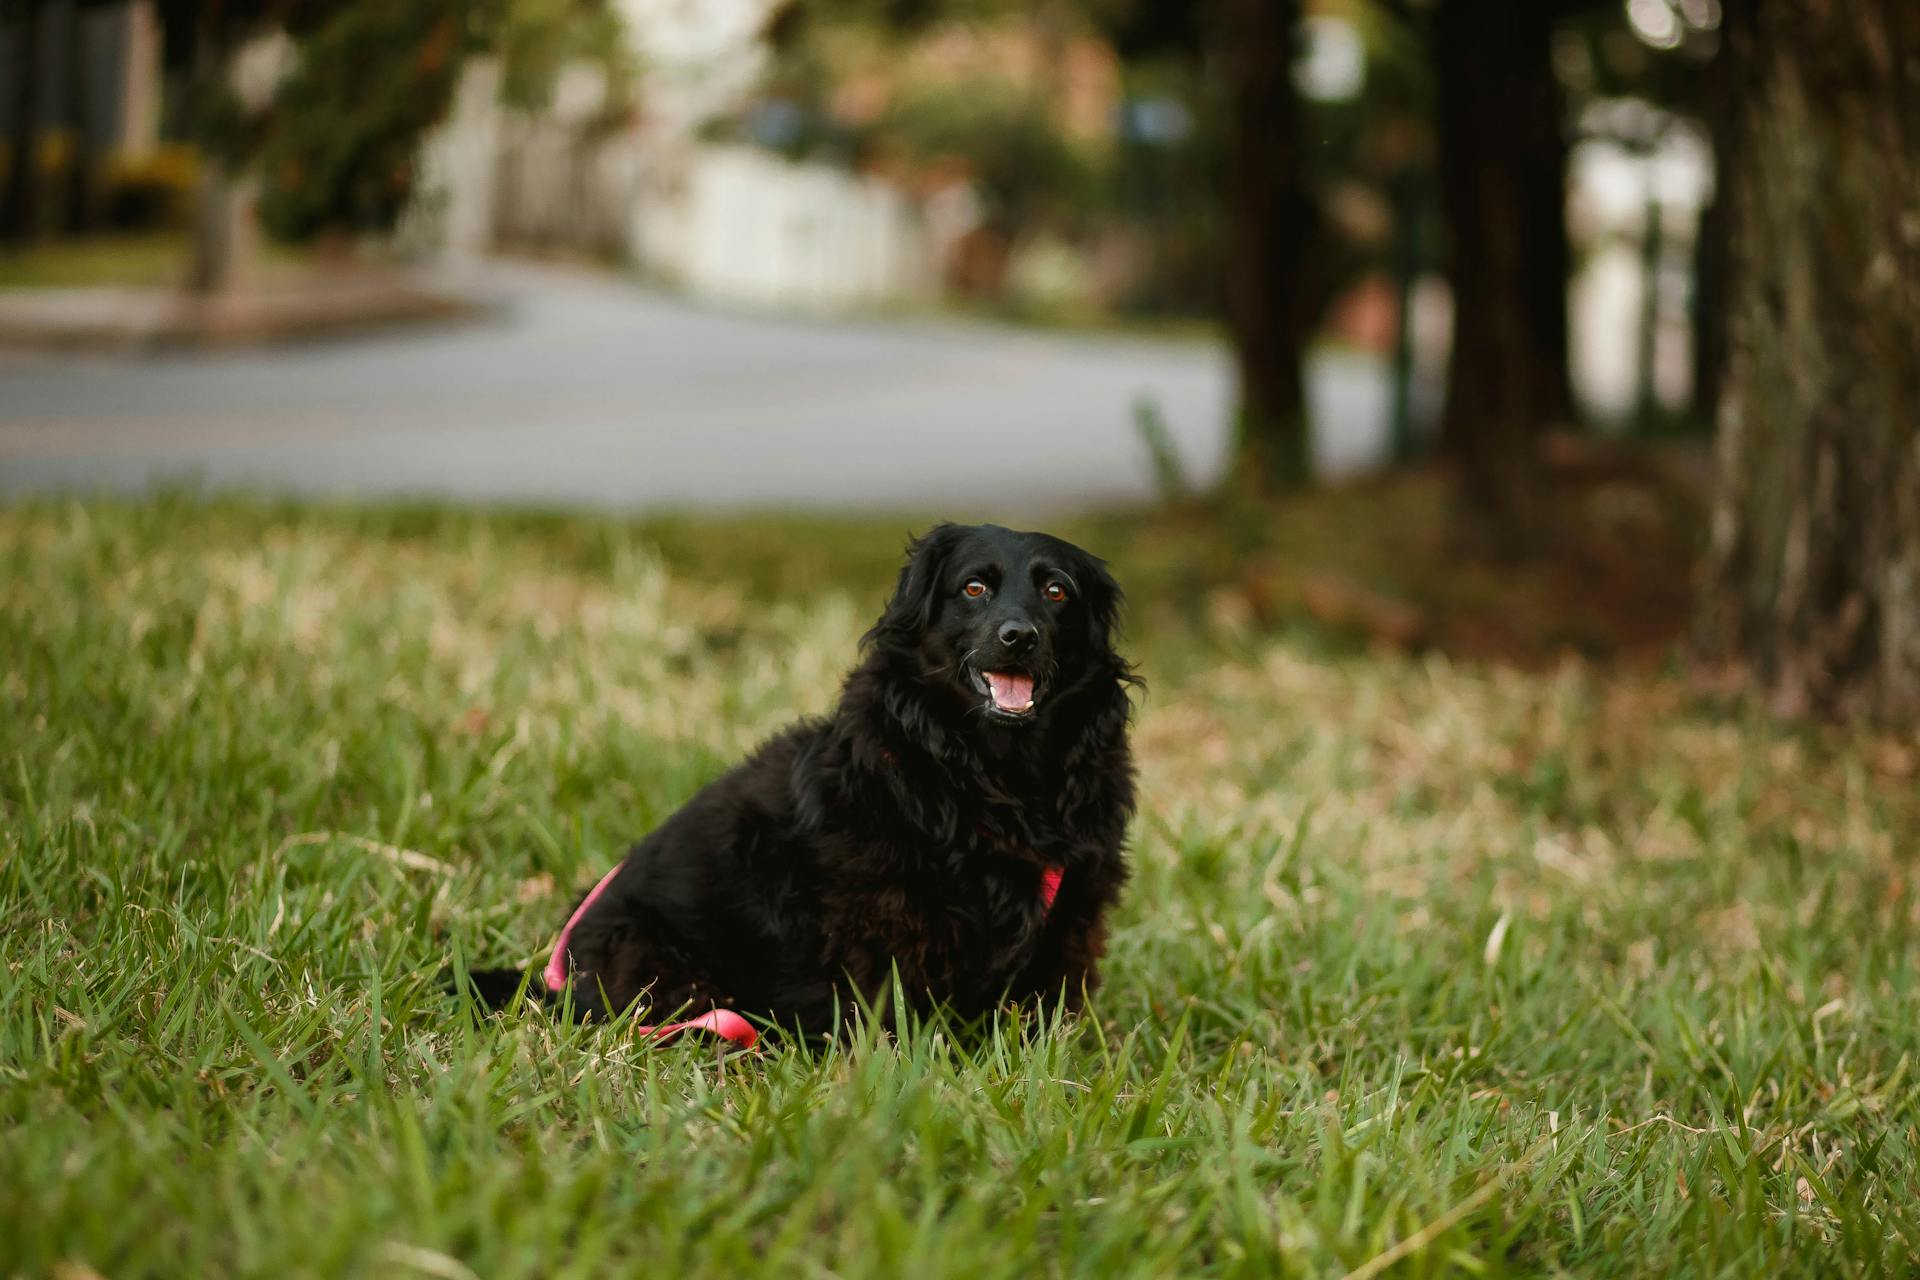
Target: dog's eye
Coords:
[(1055, 592), (975, 588)]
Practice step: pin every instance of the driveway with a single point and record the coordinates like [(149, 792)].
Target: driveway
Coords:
[(583, 389)]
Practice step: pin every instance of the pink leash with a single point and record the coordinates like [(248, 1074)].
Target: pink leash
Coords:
[(725, 1023), (556, 971)]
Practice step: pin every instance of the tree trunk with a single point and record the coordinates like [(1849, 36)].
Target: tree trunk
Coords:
[(19, 217), (1270, 225), (1503, 165), (80, 157), (1813, 574), (1714, 243), (209, 266)]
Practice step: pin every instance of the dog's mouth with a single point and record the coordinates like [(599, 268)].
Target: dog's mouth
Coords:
[(1009, 693)]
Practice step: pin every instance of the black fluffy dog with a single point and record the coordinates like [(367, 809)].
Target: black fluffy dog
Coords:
[(958, 819)]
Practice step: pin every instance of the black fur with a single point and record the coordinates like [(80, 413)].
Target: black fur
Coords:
[(908, 831)]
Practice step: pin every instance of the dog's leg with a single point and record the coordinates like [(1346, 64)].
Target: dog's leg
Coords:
[(1066, 965)]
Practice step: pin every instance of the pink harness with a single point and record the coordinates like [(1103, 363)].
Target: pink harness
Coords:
[(724, 1023)]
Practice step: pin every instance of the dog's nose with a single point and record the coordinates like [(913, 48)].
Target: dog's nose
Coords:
[(1018, 637)]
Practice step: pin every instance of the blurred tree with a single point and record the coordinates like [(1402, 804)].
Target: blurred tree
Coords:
[(1712, 249), (1024, 168), (1503, 174), (202, 36), (30, 32), (1277, 281), (337, 150), (337, 137), (538, 39), (78, 194), (1273, 287), (1271, 223), (997, 124), (19, 214), (1814, 568)]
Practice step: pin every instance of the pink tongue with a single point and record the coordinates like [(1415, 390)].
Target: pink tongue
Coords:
[(1010, 692)]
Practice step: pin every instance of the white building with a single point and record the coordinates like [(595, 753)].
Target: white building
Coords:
[(728, 222)]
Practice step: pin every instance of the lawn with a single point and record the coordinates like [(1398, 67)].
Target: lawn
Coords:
[(131, 259), (144, 259), (1428, 967)]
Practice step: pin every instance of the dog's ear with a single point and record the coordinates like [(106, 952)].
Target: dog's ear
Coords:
[(911, 609), (1102, 597)]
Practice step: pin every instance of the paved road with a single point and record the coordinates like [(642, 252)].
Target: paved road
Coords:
[(581, 389)]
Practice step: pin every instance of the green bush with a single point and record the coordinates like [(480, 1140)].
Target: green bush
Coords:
[(149, 192), (1028, 172), (538, 38), (339, 148)]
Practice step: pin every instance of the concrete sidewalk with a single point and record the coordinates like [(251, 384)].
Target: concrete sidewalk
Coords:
[(134, 320)]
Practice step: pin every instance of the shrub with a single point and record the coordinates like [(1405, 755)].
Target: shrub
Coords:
[(340, 146), (151, 191)]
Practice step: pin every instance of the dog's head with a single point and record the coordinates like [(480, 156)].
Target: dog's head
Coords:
[(1003, 621)]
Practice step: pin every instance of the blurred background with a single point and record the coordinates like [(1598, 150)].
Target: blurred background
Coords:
[(1391, 313)]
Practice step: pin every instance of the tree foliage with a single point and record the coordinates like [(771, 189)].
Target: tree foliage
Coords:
[(537, 39), (338, 148), (1026, 170)]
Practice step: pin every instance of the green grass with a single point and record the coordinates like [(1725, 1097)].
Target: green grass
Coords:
[(1452, 969), (148, 259)]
